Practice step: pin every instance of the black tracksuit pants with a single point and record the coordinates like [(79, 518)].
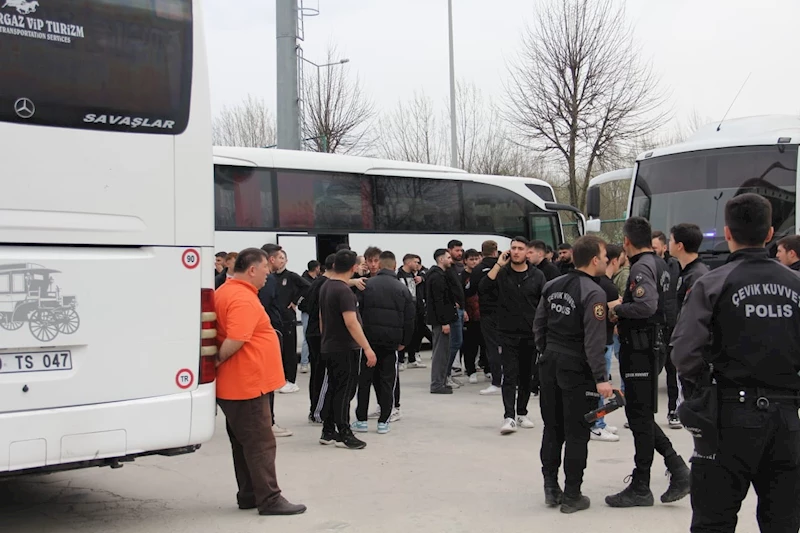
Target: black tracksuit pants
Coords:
[(517, 355), (342, 371), (383, 377), (473, 341), (318, 380), (492, 342), (648, 437), (672, 381), (566, 396), (421, 331), (289, 351)]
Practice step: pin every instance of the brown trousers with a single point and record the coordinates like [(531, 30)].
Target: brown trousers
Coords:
[(249, 425)]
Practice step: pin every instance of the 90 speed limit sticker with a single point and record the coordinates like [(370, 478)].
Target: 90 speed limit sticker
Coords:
[(184, 378), (190, 258)]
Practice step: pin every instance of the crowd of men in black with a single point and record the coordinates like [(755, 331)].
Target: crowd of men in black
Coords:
[(729, 340)]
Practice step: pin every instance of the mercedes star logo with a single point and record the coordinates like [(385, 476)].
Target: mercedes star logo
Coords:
[(24, 108)]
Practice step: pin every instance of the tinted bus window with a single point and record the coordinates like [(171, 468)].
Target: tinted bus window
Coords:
[(123, 65), (418, 205), (242, 198), (322, 200), (491, 209)]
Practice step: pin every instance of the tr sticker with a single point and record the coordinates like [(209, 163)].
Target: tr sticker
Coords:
[(184, 378)]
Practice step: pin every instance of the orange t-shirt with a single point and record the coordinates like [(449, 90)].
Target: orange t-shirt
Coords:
[(256, 368)]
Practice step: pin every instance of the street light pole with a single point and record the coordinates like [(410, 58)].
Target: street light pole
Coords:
[(453, 132), (319, 83)]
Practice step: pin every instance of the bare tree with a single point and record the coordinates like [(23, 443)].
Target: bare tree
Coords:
[(413, 131), (336, 113), (249, 123), (578, 87)]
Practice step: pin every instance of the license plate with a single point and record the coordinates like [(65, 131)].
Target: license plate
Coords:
[(11, 363)]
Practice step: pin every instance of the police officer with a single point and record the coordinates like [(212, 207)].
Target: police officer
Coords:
[(641, 316), (570, 330), (743, 318)]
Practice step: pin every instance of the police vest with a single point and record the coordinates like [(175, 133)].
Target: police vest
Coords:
[(755, 322), (565, 300), (643, 266)]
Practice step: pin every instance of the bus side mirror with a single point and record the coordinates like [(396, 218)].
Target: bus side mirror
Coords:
[(593, 225), (593, 202)]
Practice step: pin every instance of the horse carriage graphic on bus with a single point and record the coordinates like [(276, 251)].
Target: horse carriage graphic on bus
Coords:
[(28, 293), (23, 7)]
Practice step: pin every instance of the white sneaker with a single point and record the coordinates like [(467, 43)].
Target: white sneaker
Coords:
[(281, 432), (375, 414), (508, 427), (453, 383), (401, 367), (304, 369), (289, 388), (417, 364), (524, 422), (612, 429), (473, 378), (396, 415), (603, 435), (491, 389)]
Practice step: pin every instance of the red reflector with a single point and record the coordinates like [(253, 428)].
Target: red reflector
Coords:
[(208, 370), (206, 300)]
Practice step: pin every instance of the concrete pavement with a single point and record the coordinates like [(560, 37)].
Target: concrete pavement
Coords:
[(443, 468)]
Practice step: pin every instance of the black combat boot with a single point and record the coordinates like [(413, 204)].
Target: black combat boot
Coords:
[(552, 494), (679, 479), (573, 501), (637, 494)]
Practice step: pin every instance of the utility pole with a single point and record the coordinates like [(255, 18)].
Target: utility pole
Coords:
[(453, 132), (288, 105)]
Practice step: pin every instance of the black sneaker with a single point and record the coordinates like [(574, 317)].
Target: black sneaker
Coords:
[(444, 390), (673, 420), (329, 437), (349, 441), (571, 504)]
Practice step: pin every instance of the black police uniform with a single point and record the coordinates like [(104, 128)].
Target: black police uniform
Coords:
[(570, 331), (744, 318), (691, 273), (641, 315)]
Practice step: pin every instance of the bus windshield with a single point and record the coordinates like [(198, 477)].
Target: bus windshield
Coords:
[(694, 187)]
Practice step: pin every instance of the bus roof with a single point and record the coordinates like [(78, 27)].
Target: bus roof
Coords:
[(746, 131), (300, 160)]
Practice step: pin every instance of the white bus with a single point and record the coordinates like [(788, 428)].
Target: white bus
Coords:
[(692, 181), (311, 202), (106, 233)]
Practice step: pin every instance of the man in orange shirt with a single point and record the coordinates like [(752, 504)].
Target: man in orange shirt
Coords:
[(249, 367)]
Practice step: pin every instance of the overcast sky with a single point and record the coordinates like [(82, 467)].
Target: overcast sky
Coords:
[(702, 49)]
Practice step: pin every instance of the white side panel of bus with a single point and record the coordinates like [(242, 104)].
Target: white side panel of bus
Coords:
[(90, 188), (422, 245), (124, 339), (194, 176), (300, 249)]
